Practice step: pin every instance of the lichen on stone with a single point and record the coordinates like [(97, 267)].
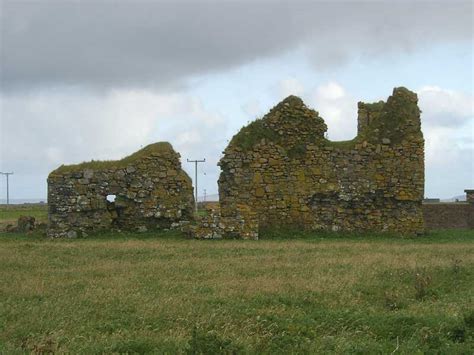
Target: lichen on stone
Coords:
[(149, 191), (288, 117), (285, 170)]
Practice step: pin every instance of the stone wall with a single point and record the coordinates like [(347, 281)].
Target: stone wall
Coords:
[(243, 224), (458, 215), (150, 188), (288, 173)]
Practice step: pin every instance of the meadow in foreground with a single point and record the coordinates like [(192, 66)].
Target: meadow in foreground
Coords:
[(161, 293)]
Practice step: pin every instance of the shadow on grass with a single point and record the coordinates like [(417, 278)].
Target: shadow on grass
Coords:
[(273, 234), (99, 236), (437, 236)]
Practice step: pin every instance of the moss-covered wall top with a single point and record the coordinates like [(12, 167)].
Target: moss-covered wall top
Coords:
[(284, 168), (147, 189)]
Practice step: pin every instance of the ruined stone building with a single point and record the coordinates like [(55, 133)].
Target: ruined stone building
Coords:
[(284, 169), (145, 190), (277, 171)]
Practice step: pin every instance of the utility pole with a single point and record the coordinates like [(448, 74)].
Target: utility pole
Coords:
[(196, 177), (205, 195), (8, 193)]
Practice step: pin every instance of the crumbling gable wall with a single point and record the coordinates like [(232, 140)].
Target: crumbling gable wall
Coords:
[(151, 191), (284, 169)]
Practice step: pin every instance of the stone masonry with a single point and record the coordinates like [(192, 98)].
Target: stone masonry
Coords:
[(285, 170), (450, 215), (149, 187), (243, 224)]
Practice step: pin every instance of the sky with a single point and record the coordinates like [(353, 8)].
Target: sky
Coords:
[(83, 80)]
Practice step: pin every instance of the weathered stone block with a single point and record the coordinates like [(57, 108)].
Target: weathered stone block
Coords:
[(25, 224)]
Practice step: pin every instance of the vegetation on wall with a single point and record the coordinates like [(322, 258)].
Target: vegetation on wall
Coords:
[(155, 148), (289, 115), (284, 168), (253, 133), (389, 120)]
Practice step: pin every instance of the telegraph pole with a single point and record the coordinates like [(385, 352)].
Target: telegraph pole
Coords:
[(8, 193), (196, 177)]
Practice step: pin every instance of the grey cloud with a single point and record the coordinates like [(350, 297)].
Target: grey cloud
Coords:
[(160, 44)]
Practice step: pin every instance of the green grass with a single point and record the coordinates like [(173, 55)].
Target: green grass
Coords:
[(155, 148), (343, 145), (10, 214), (252, 134), (161, 293)]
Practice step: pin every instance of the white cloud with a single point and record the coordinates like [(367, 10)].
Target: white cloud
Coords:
[(44, 130), (448, 123), (445, 108), (330, 91), (252, 108), (338, 108), (448, 127), (53, 155), (449, 160), (290, 86)]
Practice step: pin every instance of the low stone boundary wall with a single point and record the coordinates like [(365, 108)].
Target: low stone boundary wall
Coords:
[(448, 215), (244, 224)]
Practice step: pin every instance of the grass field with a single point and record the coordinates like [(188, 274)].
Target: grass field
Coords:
[(162, 293), (9, 214)]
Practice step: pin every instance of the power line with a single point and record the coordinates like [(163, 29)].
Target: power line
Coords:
[(8, 192), (196, 178)]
